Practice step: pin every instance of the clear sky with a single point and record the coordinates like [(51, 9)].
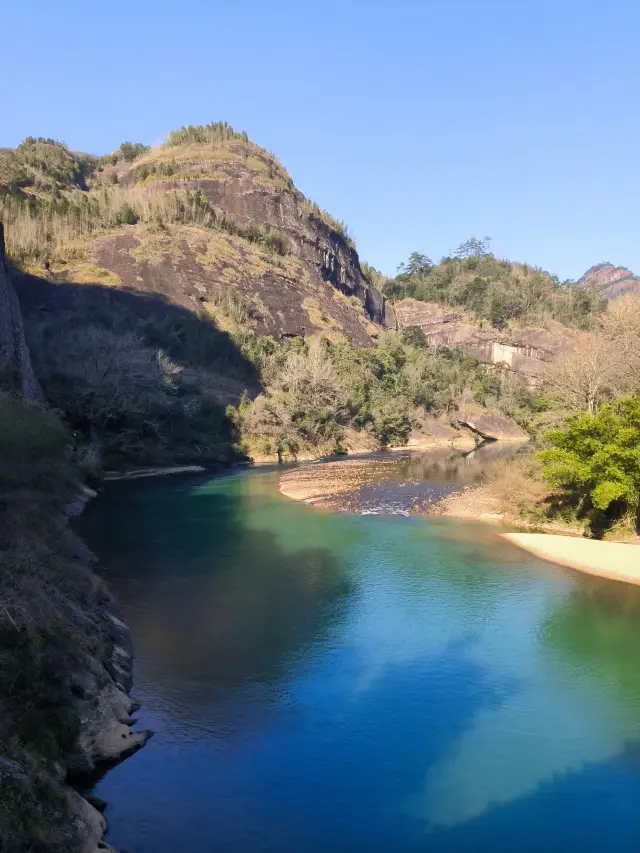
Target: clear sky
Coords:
[(418, 122)]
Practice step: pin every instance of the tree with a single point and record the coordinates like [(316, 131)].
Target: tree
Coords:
[(584, 377), (473, 248), (417, 265), (596, 458), (303, 407), (620, 326)]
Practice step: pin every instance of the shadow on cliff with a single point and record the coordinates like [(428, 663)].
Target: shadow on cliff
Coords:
[(138, 378), (190, 338)]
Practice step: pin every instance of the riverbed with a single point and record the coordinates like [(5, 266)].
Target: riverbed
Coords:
[(322, 680)]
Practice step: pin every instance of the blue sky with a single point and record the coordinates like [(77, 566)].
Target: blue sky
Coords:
[(418, 123)]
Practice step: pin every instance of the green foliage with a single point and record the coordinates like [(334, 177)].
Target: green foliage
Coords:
[(336, 225), (215, 133), (378, 279), (383, 391), (41, 225), (494, 290), (43, 166), (595, 461), (32, 439), (128, 151), (139, 174), (414, 336), (119, 382), (473, 248)]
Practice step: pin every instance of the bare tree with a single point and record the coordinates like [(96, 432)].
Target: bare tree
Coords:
[(585, 377), (620, 326)]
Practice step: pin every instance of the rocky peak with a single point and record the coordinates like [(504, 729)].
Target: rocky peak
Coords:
[(611, 281), (250, 185)]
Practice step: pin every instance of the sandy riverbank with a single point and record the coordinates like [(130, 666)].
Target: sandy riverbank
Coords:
[(615, 560)]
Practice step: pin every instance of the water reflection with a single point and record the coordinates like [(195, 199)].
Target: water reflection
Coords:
[(410, 479), (327, 681)]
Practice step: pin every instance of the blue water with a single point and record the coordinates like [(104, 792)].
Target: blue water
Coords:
[(323, 681)]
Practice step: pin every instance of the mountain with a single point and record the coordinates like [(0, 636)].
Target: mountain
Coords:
[(610, 281), (205, 214)]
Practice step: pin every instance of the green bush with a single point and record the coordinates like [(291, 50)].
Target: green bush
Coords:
[(32, 440), (595, 460)]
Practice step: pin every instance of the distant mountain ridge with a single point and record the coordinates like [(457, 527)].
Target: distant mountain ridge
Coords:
[(611, 281)]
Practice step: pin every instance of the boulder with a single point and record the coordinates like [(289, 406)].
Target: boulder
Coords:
[(492, 425)]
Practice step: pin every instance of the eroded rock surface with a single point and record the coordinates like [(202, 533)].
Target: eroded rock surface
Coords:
[(524, 351), (610, 280), (489, 424)]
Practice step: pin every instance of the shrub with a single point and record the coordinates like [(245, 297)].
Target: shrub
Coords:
[(32, 439), (215, 132), (596, 460)]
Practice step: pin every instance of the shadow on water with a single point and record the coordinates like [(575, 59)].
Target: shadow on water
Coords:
[(324, 681), (213, 603)]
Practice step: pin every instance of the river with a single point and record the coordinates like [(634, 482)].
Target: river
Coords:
[(328, 681)]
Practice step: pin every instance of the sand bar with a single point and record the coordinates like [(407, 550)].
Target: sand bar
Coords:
[(615, 560)]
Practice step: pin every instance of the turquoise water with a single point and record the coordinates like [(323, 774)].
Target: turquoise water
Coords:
[(330, 682)]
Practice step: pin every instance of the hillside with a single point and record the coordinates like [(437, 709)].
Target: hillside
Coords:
[(205, 213), (174, 297), (610, 281), (495, 310), (524, 350)]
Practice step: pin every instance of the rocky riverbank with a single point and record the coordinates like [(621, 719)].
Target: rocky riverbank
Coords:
[(333, 485), (67, 712)]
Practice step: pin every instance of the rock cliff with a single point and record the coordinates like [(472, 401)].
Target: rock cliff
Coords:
[(294, 266), (611, 281), (14, 353), (58, 616), (524, 351)]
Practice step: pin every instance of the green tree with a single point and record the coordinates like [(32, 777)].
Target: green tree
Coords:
[(596, 460), (417, 265)]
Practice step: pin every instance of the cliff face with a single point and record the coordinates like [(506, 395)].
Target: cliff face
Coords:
[(293, 265), (524, 351), (610, 281), (13, 347), (65, 653)]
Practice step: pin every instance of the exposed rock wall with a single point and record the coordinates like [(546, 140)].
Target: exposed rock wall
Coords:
[(13, 346), (99, 681), (524, 351), (611, 281), (317, 285)]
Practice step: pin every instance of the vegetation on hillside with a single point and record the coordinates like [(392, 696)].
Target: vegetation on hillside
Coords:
[(586, 470), (42, 229), (336, 225), (315, 392), (136, 391), (43, 167), (592, 456), (493, 290), (203, 134), (47, 626)]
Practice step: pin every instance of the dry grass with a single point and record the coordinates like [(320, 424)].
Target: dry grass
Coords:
[(318, 316), (52, 230)]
